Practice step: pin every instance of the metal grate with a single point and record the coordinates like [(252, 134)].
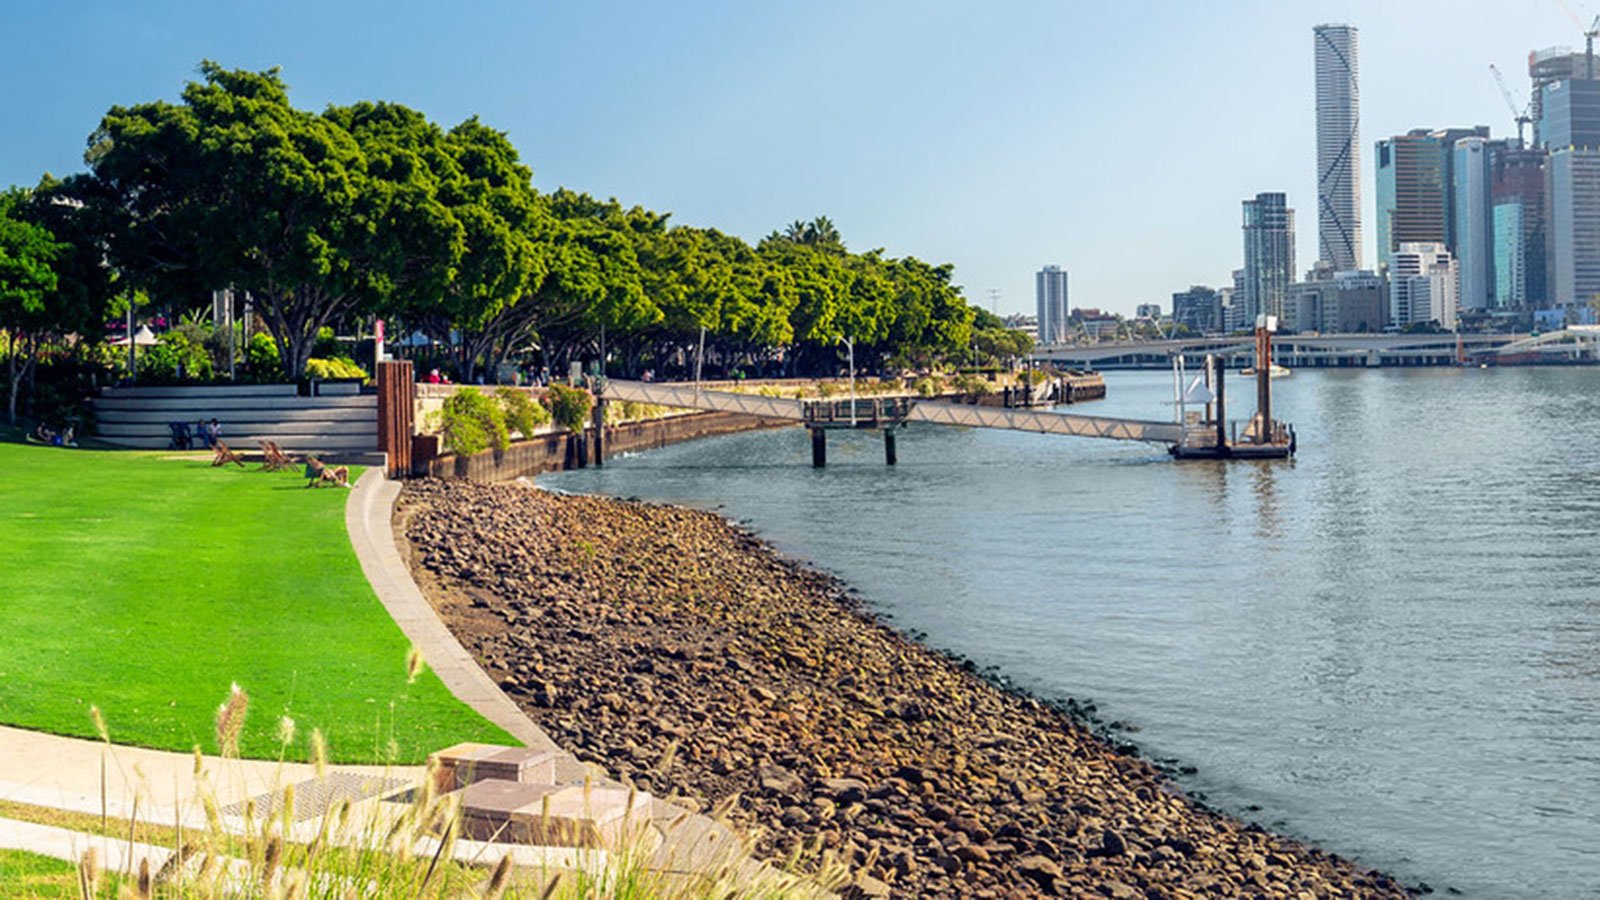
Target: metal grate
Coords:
[(316, 796)]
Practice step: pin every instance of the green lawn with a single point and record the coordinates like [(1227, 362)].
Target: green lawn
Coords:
[(146, 586), (31, 876)]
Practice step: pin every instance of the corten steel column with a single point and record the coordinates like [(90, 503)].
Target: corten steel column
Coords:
[(1220, 365), (599, 433), (1264, 383), (396, 399)]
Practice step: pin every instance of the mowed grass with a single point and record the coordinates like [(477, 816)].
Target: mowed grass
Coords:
[(29, 875), (147, 585)]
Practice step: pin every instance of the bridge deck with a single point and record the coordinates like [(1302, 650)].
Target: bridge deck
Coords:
[(687, 396)]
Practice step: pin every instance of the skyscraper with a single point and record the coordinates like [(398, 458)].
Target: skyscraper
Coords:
[(1268, 254), (1521, 269), (1338, 147), (1416, 203), (1474, 220), (1574, 226), (1050, 287)]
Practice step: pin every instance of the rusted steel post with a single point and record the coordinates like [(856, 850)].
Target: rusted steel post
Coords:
[(1264, 383), (1221, 366), (599, 433), (396, 399), (819, 447), (888, 445)]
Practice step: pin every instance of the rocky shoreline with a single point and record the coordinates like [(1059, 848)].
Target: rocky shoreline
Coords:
[(686, 656)]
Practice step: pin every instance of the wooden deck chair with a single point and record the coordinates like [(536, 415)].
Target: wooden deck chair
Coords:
[(224, 456), (273, 459)]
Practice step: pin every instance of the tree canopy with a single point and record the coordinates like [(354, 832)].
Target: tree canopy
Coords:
[(371, 209)]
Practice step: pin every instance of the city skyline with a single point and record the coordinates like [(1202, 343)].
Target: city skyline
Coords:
[(999, 141)]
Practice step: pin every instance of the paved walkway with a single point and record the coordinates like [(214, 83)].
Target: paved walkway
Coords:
[(155, 785), (369, 517)]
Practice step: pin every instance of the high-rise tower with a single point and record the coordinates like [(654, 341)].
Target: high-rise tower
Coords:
[(1050, 287), (1338, 148), (1268, 254)]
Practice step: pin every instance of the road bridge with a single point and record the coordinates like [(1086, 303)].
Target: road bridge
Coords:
[(1292, 350)]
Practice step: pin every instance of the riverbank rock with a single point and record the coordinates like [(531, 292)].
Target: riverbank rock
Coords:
[(686, 657)]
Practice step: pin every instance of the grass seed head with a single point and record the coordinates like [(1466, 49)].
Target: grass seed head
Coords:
[(99, 724)]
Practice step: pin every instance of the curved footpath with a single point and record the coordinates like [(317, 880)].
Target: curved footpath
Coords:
[(686, 656)]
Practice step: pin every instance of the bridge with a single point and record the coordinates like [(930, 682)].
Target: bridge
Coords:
[(887, 412), (1296, 350)]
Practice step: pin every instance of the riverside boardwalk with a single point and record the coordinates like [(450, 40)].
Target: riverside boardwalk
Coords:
[(691, 660)]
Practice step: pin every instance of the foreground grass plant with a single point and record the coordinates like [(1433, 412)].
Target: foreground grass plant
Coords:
[(406, 844), (134, 581)]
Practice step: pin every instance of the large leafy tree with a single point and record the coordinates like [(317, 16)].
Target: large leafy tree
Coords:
[(236, 186), (28, 281)]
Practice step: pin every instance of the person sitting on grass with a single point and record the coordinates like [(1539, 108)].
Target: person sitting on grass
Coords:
[(319, 474), (42, 435)]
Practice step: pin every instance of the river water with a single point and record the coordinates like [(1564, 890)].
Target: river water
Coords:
[(1389, 646)]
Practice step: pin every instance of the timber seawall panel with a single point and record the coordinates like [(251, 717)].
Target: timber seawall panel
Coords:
[(560, 451)]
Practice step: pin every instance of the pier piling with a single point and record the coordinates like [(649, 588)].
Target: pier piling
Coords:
[(819, 447), (888, 446)]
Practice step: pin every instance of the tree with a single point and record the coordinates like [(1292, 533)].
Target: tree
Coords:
[(27, 282), (235, 186)]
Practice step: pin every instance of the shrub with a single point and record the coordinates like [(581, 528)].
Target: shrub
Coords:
[(176, 358), (521, 414), (569, 407), (261, 354), (929, 387), (337, 367), (471, 423)]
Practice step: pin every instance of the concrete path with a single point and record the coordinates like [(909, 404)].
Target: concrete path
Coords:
[(61, 843), (369, 519), (153, 785)]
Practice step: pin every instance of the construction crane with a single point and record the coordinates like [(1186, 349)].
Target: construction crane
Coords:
[(1588, 38), (1523, 117)]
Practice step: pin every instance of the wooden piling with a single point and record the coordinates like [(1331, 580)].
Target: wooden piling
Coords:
[(888, 446), (819, 447)]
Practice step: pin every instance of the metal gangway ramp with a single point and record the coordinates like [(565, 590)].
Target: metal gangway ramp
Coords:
[(871, 412), (1044, 422)]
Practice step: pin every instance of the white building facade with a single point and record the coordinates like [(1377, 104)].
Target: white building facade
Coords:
[(1422, 286)]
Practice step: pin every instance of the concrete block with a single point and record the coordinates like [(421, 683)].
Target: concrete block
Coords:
[(552, 815), (464, 764)]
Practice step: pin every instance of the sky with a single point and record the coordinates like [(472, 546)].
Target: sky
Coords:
[(1113, 139)]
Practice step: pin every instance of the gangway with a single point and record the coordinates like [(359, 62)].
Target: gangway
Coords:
[(887, 413)]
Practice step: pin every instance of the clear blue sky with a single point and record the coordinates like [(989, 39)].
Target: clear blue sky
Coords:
[(1114, 139)]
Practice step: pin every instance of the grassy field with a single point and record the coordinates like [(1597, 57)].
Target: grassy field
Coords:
[(146, 586), (29, 875)]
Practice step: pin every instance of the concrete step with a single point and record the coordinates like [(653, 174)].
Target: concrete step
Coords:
[(146, 416), (294, 444), (199, 404), (233, 430), (153, 391)]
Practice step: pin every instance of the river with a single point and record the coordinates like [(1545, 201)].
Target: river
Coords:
[(1389, 646)]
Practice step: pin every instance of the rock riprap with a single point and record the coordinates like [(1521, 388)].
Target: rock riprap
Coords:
[(688, 658)]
